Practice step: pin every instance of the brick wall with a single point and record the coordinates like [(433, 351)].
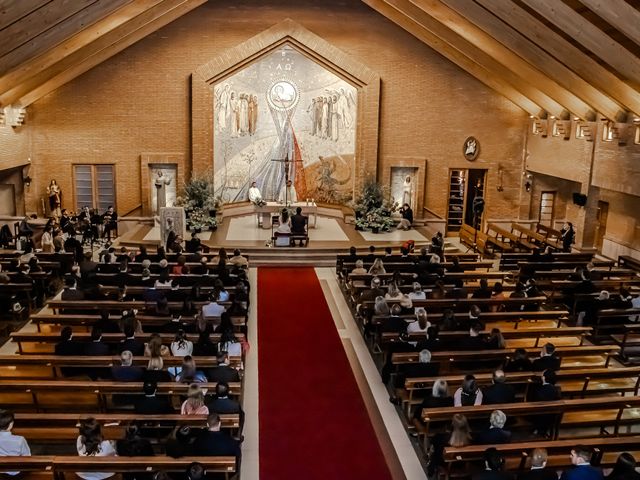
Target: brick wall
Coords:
[(139, 101)]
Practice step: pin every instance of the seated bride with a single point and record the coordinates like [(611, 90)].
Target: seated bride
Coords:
[(285, 223)]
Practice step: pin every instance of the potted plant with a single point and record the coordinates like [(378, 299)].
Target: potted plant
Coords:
[(373, 208), (199, 203)]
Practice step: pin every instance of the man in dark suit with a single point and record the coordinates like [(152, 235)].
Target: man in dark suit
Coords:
[(223, 372), (547, 391), (110, 219), (299, 224), (96, 347), (135, 346), (87, 266), (496, 433), (150, 404), (538, 467), (394, 323), (66, 345), (548, 359), (494, 463), (126, 371), (122, 278), (475, 341), (70, 291), (214, 442), (221, 402), (499, 391), (582, 469)]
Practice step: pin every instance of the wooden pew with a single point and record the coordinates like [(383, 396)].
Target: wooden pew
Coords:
[(629, 262), (61, 467), (88, 320), (504, 236), (468, 460), (556, 316), (573, 382), (47, 366), (509, 261), (47, 341), (461, 304), (599, 412), (597, 355), (469, 236), (115, 305), (628, 340)]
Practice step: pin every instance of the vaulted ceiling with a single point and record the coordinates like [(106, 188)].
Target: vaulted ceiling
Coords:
[(558, 58)]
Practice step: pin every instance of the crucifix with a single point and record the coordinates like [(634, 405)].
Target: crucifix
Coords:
[(287, 162)]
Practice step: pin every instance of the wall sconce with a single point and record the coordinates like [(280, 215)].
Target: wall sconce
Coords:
[(529, 181), (27, 181), (527, 186), (500, 187)]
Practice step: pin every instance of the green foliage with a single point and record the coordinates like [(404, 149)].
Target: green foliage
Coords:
[(374, 207), (198, 199)]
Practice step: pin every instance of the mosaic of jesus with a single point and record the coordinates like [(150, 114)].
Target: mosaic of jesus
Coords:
[(285, 111)]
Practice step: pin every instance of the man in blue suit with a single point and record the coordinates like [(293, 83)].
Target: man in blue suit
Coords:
[(582, 469)]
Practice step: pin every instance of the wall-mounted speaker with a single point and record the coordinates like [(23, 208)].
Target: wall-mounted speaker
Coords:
[(579, 199)]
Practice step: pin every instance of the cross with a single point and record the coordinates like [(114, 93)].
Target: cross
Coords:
[(286, 162)]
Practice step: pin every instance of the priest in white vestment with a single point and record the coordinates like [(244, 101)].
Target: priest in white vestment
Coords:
[(288, 193)]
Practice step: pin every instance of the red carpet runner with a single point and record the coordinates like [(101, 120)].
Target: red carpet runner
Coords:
[(313, 421)]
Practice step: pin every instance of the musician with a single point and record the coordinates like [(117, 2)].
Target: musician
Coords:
[(110, 220), (67, 223)]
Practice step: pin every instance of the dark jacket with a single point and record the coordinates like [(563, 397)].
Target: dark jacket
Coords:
[(582, 472), (153, 405), (216, 444), (97, 349), (493, 436), (550, 362), (539, 474), (498, 393), (223, 373), (127, 374), (133, 345), (298, 222)]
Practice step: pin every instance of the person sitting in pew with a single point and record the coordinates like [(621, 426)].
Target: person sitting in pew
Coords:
[(67, 345), (475, 340), (547, 256), (494, 465), (548, 359), (131, 343), (150, 403), (394, 323), (468, 394), (189, 372), (155, 372), (214, 442), (4, 278), (497, 294), (91, 443), (518, 292), (495, 341), (96, 347), (496, 433), (377, 268), (519, 362), (499, 391), (423, 368), (204, 347), (438, 398), (546, 391), (459, 436), (538, 469), (134, 445), (417, 293), (431, 341), (582, 468), (126, 371), (181, 442), (181, 346), (625, 468), (420, 324), (483, 291), (71, 291), (11, 445), (223, 372), (194, 404)]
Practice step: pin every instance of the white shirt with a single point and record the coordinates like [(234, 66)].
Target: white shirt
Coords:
[(106, 450), (292, 196), (13, 446), (182, 350), (635, 303), (254, 195), (212, 309)]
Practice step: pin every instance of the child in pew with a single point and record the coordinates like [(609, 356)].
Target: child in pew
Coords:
[(90, 442)]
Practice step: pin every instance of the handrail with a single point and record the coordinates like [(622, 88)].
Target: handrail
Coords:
[(431, 212), (132, 210)]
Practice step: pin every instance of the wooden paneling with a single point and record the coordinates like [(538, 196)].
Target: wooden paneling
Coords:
[(12, 10)]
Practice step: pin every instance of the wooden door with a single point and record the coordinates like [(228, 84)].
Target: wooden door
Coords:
[(547, 204)]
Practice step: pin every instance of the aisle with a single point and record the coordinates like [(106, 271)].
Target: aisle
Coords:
[(313, 421)]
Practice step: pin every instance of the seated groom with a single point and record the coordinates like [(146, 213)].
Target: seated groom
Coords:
[(299, 224)]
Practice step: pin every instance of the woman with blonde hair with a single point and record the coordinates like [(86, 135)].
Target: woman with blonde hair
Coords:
[(377, 268), (155, 348), (394, 293), (194, 404), (155, 371), (459, 436)]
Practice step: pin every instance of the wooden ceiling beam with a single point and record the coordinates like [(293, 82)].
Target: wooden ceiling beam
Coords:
[(533, 54), (487, 44), (396, 15), (619, 14), (480, 57), (54, 36), (50, 17), (590, 36), (29, 74), (137, 29), (563, 51), (12, 11)]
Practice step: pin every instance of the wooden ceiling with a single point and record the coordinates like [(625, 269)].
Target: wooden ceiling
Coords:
[(551, 57)]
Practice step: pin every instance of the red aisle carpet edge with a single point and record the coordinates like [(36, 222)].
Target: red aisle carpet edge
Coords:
[(313, 420)]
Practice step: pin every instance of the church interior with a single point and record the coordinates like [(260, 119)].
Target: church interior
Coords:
[(382, 239)]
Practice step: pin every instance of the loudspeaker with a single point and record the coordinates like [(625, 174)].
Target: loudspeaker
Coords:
[(579, 199), (478, 205)]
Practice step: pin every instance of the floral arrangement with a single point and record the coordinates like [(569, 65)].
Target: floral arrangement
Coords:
[(373, 207), (199, 202)]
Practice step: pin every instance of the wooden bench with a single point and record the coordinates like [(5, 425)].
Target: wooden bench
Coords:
[(629, 262), (471, 237), (61, 467), (464, 461), (461, 304), (571, 356), (47, 366), (509, 261)]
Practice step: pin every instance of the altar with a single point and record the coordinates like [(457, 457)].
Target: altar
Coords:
[(266, 211)]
